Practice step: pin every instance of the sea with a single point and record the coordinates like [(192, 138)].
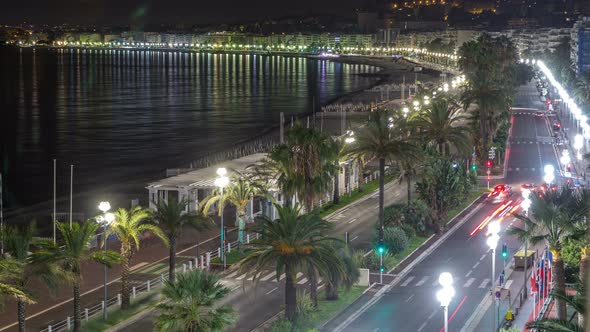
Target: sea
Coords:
[(121, 116)]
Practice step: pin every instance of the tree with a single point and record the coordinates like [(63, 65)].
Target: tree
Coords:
[(291, 242), (10, 269), (302, 166), (18, 241), (443, 125), (72, 253), (551, 222), (171, 219), (240, 191), (190, 304), (383, 140), (582, 89), (335, 278), (562, 325), (443, 186), (129, 226)]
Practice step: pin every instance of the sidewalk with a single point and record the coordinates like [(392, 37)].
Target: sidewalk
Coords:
[(511, 296)]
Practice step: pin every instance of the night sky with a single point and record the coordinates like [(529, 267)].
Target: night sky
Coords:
[(124, 12)]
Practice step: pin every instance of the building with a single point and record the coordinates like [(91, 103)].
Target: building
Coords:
[(580, 45)]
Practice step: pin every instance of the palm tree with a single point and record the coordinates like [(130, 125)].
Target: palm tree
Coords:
[(18, 243), (129, 226), (562, 325), (72, 253), (443, 126), (491, 101), (190, 304), (346, 277), (290, 243), (551, 223), (302, 166), (171, 219), (582, 89), (385, 141), (240, 191), (11, 269)]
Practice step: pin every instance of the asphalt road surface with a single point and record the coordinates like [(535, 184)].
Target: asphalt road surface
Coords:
[(410, 304)]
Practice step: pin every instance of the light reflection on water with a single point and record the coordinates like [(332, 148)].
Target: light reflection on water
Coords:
[(122, 116)]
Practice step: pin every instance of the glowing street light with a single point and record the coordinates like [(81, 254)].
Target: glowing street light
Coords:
[(549, 176), (445, 295), (222, 181), (105, 220)]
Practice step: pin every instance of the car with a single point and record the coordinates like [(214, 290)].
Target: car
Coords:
[(500, 193), (528, 186), (556, 126), (540, 113)]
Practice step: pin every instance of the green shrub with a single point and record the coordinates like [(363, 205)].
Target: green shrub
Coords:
[(372, 261), (409, 230), (395, 239), (305, 307), (417, 216), (281, 325)]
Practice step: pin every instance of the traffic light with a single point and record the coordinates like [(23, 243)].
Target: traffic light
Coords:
[(381, 247), (489, 163), (474, 167), (504, 251), (382, 268)]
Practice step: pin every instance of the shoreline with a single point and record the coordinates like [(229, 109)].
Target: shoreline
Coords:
[(390, 71)]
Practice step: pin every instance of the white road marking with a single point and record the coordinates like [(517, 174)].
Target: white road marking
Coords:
[(422, 327), (299, 275), (354, 238), (432, 314), (302, 281), (476, 264), (409, 298), (407, 281), (270, 275), (422, 281), (272, 290), (507, 284), (482, 257), (352, 220), (469, 282), (484, 283), (241, 277), (468, 273), (235, 288), (282, 277), (233, 274)]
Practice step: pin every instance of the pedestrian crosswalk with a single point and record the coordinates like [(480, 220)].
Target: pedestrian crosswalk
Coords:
[(432, 281), (300, 278)]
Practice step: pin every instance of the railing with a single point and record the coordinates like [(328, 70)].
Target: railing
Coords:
[(146, 287)]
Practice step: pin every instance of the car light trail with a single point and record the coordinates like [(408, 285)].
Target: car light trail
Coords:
[(488, 218), (455, 312)]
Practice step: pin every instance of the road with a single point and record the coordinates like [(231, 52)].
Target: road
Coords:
[(409, 302), (256, 304)]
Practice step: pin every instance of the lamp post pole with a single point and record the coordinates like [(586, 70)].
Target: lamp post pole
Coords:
[(221, 182), (445, 295), (526, 204), (492, 241), (105, 220)]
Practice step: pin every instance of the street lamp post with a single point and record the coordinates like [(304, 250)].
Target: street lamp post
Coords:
[(492, 241), (526, 204), (578, 145), (445, 295), (105, 220), (549, 176), (221, 182)]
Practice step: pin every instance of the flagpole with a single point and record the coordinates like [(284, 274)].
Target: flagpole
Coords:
[(71, 191), (54, 198)]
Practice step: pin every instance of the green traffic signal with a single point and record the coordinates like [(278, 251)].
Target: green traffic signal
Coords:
[(382, 268), (473, 167), (380, 247), (504, 251)]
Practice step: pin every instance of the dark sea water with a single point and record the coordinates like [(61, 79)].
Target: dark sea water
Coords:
[(123, 116)]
